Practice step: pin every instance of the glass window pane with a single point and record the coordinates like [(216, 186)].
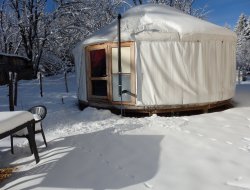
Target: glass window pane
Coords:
[(99, 87), (98, 63), (125, 86), (125, 59)]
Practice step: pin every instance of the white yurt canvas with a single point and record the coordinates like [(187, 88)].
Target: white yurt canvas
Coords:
[(169, 59)]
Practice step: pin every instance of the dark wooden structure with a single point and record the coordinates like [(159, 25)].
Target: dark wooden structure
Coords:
[(30, 125), (165, 110), (14, 63)]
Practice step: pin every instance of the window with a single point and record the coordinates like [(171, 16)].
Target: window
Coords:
[(98, 63), (99, 87), (126, 73), (97, 72), (103, 76)]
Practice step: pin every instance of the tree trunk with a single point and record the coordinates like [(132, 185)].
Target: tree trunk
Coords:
[(41, 84), (15, 82), (11, 94)]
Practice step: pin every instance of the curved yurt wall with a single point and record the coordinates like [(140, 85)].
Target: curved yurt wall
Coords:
[(169, 60)]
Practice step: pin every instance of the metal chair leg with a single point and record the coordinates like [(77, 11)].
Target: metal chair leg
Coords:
[(44, 139), (32, 141), (11, 142), (30, 144)]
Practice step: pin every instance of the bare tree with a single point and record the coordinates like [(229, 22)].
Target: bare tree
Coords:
[(33, 26), (47, 38), (9, 35), (77, 19)]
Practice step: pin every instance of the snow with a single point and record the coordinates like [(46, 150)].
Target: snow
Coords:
[(11, 120), (152, 22), (95, 149)]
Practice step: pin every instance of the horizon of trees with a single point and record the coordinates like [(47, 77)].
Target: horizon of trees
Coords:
[(47, 37)]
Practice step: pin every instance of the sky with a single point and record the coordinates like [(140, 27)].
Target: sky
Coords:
[(224, 11)]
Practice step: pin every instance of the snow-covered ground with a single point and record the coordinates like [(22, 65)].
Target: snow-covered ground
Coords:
[(95, 149)]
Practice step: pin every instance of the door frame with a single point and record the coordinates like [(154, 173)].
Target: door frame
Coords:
[(108, 50)]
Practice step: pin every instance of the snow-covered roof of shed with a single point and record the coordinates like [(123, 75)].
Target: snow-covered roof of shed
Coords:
[(160, 22), (14, 55)]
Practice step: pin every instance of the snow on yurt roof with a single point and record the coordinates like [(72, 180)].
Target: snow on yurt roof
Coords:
[(160, 22)]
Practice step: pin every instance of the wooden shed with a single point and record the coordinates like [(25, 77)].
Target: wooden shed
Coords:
[(15, 63)]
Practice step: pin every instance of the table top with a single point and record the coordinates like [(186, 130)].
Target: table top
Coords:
[(12, 119)]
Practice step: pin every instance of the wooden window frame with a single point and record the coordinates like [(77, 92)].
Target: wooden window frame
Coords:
[(108, 50), (132, 71), (90, 78)]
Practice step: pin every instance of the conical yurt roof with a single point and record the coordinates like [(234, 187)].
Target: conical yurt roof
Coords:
[(160, 22)]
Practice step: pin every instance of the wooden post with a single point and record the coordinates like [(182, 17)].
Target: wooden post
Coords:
[(66, 82), (15, 82), (238, 75), (11, 98), (206, 108), (41, 84)]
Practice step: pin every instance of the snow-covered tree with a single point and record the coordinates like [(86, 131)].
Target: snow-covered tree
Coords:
[(9, 36), (246, 30), (26, 27), (75, 20), (243, 41), (33, 26), (241, 24)]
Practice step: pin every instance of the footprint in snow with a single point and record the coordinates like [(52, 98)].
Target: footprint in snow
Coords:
[(238, 178), (132, 176), (246, 138), (243, 149), (107, 162), (186, 119), (148, 185), (239, 182), (120, 167), (200, 135), (228, 142), (212, 139), (83, 149)]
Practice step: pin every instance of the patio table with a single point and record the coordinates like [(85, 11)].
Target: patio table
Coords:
[(11, 122)]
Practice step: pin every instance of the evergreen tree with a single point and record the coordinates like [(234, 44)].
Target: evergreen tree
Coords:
[(241, 24), (247, 30), (242, 30)]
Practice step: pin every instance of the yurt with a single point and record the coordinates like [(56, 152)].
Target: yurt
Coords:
[(170, 61)]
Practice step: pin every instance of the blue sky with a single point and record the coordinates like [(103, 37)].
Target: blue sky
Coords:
[(224, 11)]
